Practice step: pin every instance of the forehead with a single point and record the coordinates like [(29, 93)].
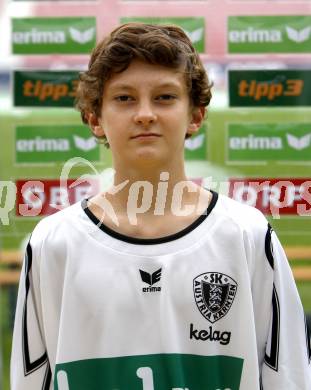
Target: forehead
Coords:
[(143, 74)]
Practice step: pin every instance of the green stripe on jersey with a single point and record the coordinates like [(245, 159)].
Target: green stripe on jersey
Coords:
[(151, 372)]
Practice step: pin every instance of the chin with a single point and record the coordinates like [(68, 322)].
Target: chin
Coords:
[(151, 157)]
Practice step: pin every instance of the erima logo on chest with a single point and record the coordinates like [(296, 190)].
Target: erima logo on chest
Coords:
[(151, 279), (214, 294)]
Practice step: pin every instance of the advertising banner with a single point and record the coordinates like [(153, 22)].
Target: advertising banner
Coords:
[(274, 196), (256, 142), (194, 27), (40, 197), (255, 88), (196, 146), (47, 144), (45, 88), (269, 34), (49, 35)]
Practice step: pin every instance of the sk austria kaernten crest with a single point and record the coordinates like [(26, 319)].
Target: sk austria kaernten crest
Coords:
[(214, 294)]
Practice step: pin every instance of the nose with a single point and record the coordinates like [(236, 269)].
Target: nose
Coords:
[(145, 115)]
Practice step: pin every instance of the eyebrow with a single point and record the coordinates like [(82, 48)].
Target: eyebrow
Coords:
[(158, 86)]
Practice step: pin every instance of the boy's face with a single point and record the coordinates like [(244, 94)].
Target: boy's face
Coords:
[(146, 114)]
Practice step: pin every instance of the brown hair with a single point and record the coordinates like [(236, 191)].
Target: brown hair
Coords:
[(166, 45)]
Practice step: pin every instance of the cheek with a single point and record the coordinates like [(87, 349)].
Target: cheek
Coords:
[(180, 118), (110, 123)]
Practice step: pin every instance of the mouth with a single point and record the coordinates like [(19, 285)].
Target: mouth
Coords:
[(146, 135)]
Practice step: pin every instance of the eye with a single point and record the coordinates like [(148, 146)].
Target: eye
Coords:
[(166, 97), (124, 98)]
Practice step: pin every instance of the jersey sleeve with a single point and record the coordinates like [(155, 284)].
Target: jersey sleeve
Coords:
[(30, 369), (286, 362)]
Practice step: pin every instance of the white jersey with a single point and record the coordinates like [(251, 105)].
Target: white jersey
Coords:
[(213, 307)]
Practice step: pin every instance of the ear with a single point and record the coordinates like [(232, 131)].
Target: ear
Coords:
[(197, 117), (95, 125)]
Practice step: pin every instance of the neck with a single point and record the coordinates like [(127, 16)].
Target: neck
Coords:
[(151, 190)]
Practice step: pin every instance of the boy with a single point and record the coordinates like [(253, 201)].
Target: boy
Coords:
[(188, 291)]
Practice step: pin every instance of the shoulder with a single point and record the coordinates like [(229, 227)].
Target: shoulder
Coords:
[(245, 217), (248, 226), (56, 227)]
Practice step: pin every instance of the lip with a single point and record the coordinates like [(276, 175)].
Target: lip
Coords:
[(146, 135)]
